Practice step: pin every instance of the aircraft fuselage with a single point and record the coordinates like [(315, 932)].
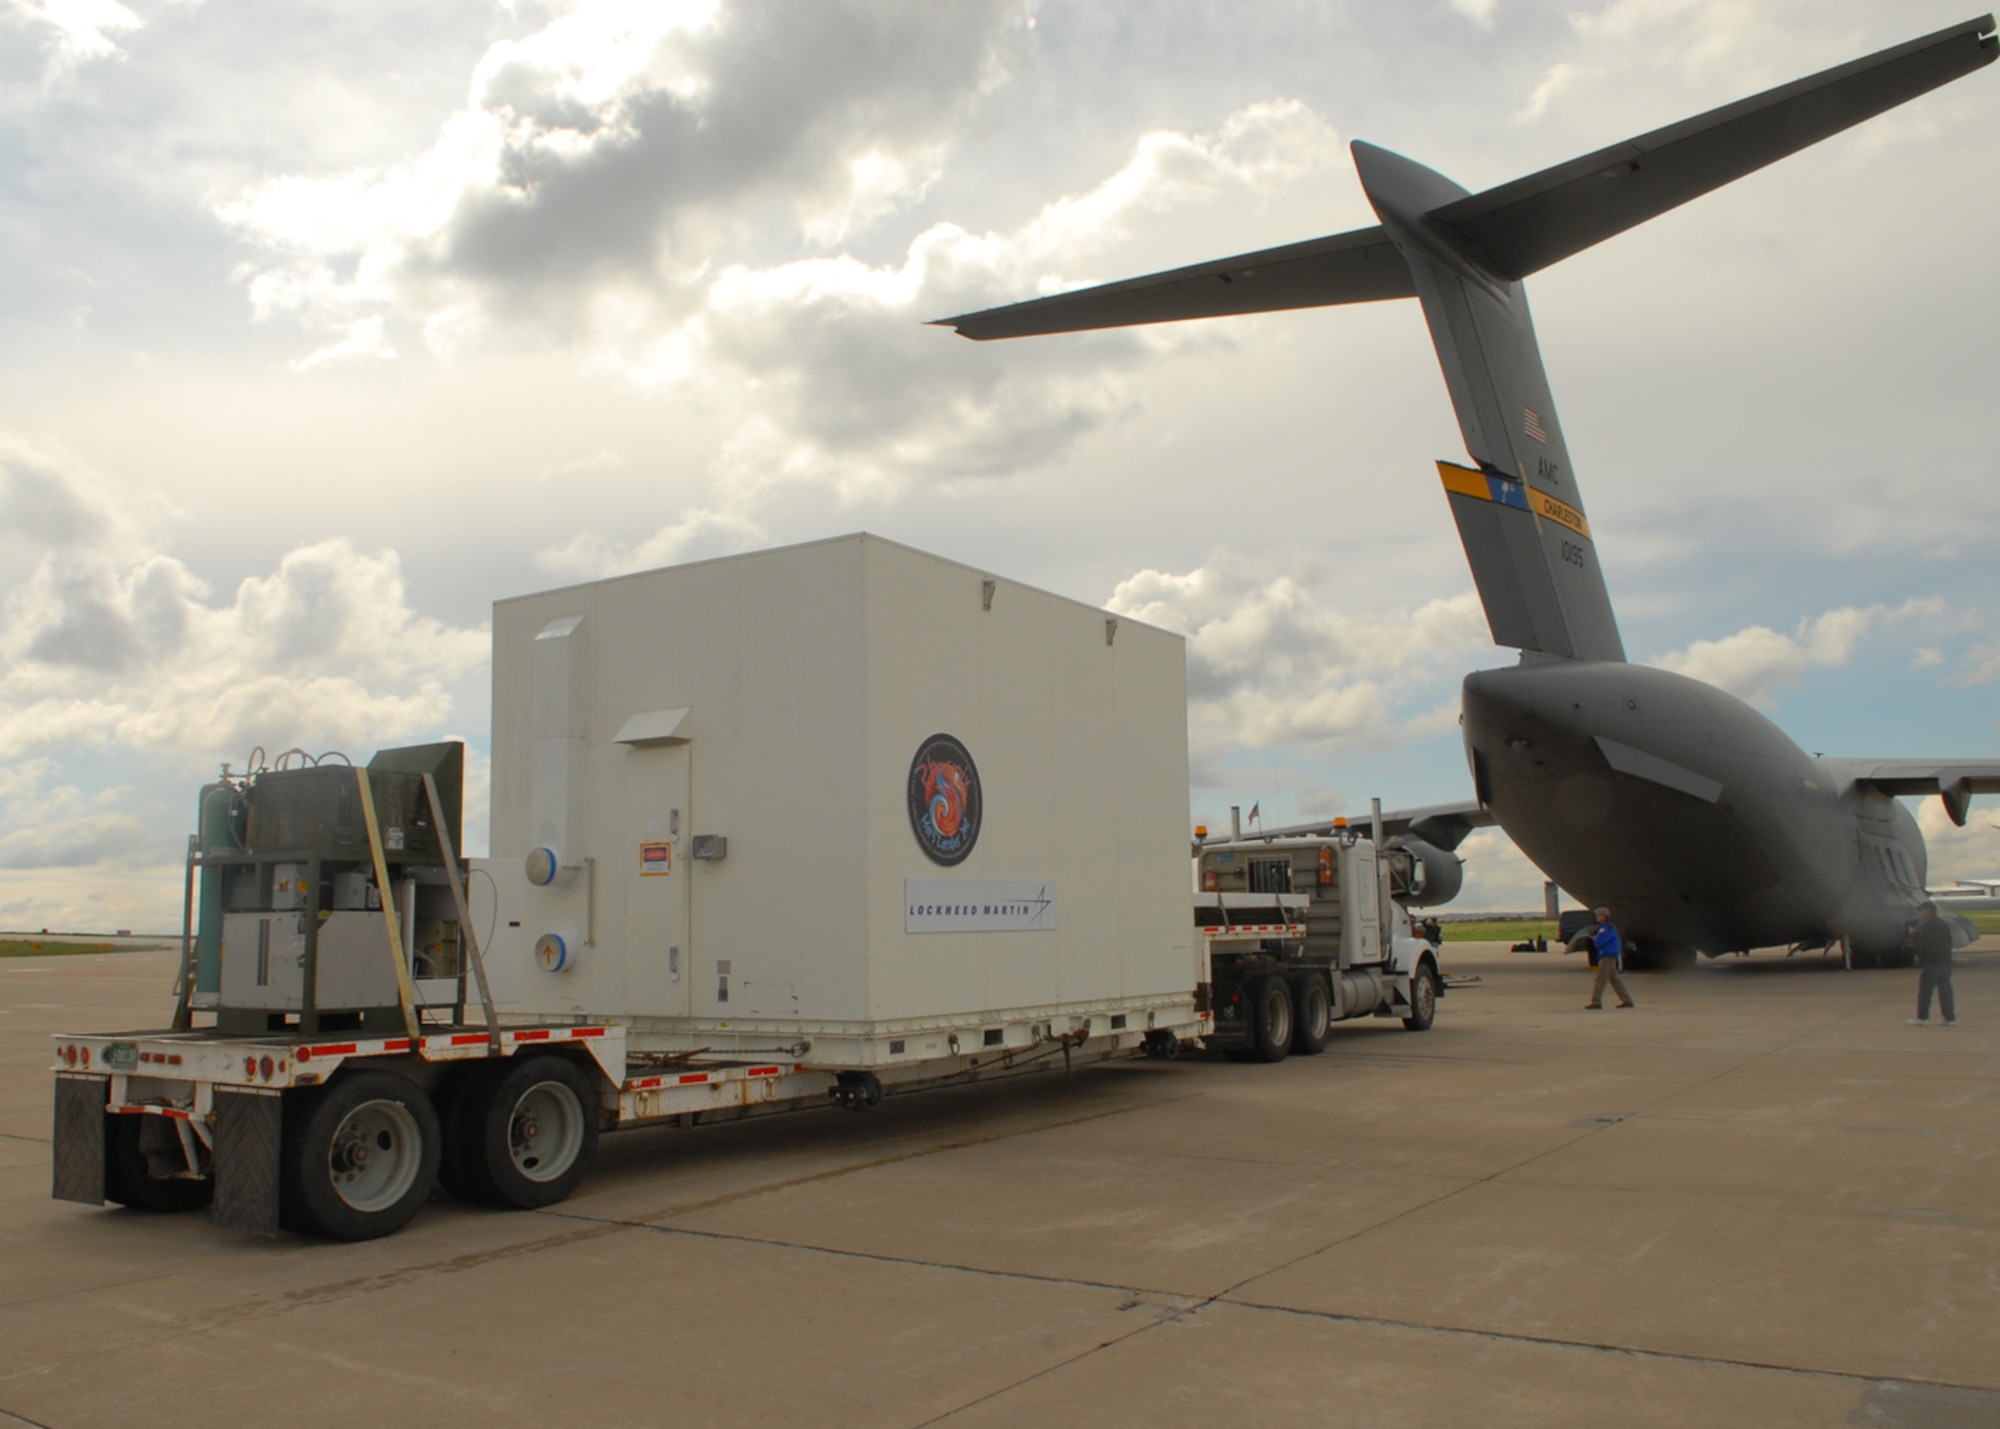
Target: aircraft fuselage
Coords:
[(1685, 811)]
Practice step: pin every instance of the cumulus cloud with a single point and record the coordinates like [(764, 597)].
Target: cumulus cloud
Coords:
[(1754, 662), (1723, 46), (611, 174), (1954, 852), (70, 34), (51, 824), (832, 377), (112, 643), (625, 143), (1276, 659), (698, 534)]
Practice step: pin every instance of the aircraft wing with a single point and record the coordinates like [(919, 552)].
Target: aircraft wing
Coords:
[(1524, 226), (1953, 780), (1358, 267), (1439, 825)]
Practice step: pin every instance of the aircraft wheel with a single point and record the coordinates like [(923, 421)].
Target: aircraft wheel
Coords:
[(1312, 1008), (1271, 1019), (1423, 999)]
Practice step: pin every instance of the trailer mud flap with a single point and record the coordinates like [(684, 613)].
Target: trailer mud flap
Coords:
[(248, 1127), (79, 1136)]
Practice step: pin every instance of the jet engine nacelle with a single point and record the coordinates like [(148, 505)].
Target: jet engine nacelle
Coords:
[(1424, 876)]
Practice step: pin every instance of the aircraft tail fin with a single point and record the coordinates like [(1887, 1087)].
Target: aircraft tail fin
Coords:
[(1506, 526)]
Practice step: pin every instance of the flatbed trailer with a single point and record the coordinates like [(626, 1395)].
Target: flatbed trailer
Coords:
[(168, 1120), (791, 829)]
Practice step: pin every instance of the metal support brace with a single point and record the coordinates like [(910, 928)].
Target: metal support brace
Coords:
[(405, 994), (464, 917)]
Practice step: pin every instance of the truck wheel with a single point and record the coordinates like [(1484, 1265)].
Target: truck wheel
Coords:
[(360, 1156), (1423, 998), (128, 1176), (1312, 1008), (526, 1131), (1271, 1019)]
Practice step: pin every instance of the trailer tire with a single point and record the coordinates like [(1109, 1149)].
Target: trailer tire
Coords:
[(1312, 1014), (1271, 1019), (526, 1129), (1423, 998), (360, 1156), (128, 1179)]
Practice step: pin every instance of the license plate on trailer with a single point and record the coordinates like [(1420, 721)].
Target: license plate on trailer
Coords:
[(121, 1056)]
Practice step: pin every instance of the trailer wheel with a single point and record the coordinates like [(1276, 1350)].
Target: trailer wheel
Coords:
[(1312, 1009), (360, 1156), (128, 1174), (526, 1130), (1423, 998), (1271, 1019)]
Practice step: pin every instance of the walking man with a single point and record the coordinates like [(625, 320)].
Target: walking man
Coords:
[(1934, 963), (1610, 952)]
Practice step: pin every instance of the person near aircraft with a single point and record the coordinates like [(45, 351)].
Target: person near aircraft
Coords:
[(1933, 967), (1610, 951)]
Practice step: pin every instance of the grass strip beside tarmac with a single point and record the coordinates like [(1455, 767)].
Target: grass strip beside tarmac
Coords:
[(1498, 930), (49, 948)]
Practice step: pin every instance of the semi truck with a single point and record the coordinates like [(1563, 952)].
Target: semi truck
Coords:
[(796, 828)]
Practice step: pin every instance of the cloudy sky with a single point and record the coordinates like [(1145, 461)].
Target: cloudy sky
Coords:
[(325, 325)]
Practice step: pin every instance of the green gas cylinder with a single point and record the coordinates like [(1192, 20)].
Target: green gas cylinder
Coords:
[(214, 835)]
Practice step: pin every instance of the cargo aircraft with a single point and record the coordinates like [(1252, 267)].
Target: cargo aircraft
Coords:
[(1690, 813)]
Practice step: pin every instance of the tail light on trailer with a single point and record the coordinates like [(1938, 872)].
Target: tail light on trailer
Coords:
[(1208, 881), (1326, 868)]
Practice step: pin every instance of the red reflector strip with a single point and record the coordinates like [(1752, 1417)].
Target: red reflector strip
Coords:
[(765, 1072), (331, 1049), (688, 1078), (467, 1039), (588, 1032), (536, 1034)]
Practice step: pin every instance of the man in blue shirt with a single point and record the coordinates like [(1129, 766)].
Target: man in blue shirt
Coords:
[(1610, 951)]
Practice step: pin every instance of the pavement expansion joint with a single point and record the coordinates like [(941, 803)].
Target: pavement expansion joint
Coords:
[(877, 1257), (1605, 1347)]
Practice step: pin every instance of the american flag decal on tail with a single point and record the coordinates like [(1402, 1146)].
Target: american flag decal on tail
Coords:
[(1531, 423)]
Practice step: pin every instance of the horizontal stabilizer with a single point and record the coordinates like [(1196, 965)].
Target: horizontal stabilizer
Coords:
[(1358, 267), (1522, 227), (1439, 825), (1953, 780)]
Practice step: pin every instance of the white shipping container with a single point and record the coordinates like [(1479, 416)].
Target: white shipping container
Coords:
[(774, 711)]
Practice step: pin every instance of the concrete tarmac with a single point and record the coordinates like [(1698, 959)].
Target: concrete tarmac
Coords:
[(1759, 1198)]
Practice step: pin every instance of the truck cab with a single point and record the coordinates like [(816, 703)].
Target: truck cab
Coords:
[(1301, 932)]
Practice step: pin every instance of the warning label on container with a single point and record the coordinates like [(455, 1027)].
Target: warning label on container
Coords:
[(656, 860), (978, 905)]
